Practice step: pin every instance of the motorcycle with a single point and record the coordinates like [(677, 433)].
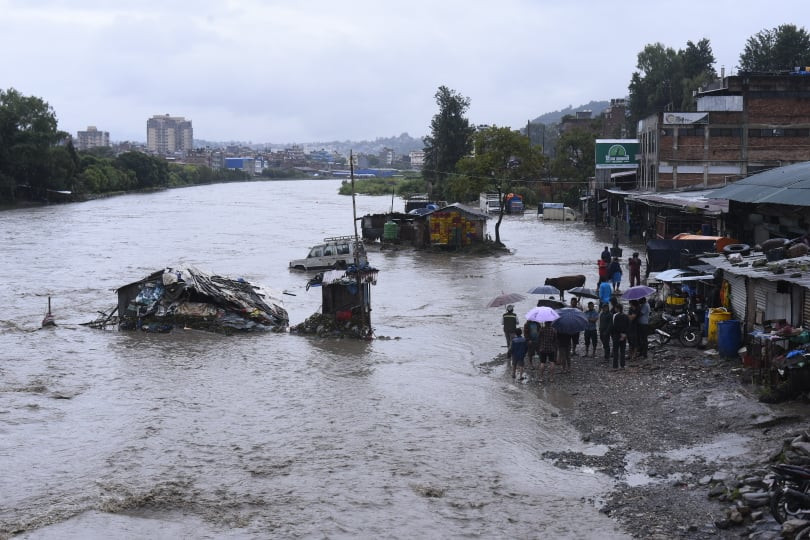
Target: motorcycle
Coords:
[(790, 493), (684, 326)]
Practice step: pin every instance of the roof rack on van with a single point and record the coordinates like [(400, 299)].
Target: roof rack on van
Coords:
[(340, 238)]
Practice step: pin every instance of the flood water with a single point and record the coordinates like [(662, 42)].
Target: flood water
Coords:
[(418, 434)]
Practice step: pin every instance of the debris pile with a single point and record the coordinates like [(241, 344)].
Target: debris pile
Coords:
[(191, 298)]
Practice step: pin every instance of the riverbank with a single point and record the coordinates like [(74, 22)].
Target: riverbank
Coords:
[(675, 428)]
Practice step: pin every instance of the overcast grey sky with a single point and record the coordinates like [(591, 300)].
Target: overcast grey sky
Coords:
[(320, 70)]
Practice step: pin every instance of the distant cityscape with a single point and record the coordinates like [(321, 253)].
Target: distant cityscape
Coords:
[(173, 138)]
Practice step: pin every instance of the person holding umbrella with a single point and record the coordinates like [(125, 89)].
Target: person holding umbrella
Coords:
[(547, 347), (510, 324)]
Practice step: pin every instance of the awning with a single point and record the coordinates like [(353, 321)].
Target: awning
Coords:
[(623, 174)]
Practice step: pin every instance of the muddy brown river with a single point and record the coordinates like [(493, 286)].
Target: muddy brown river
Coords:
[(417, 434)]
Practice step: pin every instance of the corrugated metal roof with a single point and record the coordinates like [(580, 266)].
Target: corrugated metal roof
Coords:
[(784, 185), (763, 272), (703, 200)]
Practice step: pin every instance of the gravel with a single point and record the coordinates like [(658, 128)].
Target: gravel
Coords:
[(683, 429)]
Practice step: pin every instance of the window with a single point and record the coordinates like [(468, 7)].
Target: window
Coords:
[(317, 251), (725, 132), (343, 249), (691, 132)]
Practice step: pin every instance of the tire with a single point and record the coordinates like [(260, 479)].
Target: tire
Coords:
[(742, 249), (689, 336), (778, 505)]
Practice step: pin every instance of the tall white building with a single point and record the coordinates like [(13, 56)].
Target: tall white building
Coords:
[(169, 134), (92, 138)]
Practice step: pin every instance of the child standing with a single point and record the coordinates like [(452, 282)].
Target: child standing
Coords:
[(518, 351)]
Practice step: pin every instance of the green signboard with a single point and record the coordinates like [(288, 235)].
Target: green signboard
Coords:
[(616, 153)]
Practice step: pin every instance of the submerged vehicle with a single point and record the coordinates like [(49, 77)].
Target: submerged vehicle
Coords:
[(191, 298), (335, 252), (556, 211)]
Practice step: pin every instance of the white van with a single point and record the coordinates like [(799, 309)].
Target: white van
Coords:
[(335, 252), (558, 211)]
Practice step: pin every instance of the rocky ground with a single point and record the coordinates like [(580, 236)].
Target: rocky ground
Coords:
[(687, 440)]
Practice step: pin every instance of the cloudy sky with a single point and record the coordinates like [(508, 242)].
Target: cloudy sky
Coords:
[(320, 70)]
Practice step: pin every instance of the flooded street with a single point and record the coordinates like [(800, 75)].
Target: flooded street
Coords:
[(418, 434)]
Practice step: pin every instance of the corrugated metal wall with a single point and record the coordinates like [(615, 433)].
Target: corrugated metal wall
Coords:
[(806, 309), (739, 296)]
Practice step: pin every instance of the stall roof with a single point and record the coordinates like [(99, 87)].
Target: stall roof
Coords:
[(704, 199), (783, 185), (469, 210), (764, 272)]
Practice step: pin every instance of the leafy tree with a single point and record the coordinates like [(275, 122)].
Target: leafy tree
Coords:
[(574, 160), (28, 131), (502, 159), (666, 78), (150, 172), (449, 140), (780, 48)]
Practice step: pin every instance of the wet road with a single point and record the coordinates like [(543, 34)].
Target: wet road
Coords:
[(187, 434)]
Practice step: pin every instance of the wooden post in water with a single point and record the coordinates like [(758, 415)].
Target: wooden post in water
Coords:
[(360, 290), (48, 320)]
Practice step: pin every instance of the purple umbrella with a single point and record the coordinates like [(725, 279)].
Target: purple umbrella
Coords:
[(639, 291)]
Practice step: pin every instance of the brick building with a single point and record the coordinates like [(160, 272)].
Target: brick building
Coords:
[(744, 124)]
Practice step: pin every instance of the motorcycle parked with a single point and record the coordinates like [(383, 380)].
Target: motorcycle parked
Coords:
[(790, 493), (685, 326)]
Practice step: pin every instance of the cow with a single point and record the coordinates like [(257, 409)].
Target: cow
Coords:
[(564, 283)]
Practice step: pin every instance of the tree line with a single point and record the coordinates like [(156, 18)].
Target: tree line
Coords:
[(37, 160)]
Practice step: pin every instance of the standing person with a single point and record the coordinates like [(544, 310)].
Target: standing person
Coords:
[(605, 325), (518, 350), (605, 291), (602, 265), (564, 351), (531, 331), (615, 273), (618, 336), (575, 336), (634, 265), (510, 324), (632, 330), (547, 351), (590, 333), (606, 255), (643, 326)]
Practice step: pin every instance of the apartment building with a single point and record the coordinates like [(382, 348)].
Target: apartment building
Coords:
[(92, 138), (169, 134), (746, 123)]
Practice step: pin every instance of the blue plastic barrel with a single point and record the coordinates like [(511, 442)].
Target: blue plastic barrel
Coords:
[(729, 337)]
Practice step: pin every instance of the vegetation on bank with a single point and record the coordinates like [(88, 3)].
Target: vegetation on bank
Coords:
[(402, 186)]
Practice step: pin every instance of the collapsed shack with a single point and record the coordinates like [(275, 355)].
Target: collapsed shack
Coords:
[(345, 303), (191, 298)]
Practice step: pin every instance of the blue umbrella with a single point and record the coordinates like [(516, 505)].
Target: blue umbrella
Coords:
[(571, 321), (545, 289)]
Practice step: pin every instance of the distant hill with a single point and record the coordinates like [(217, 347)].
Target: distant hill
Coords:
[(596, 107)]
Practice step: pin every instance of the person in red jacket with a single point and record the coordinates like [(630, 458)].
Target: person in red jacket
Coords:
[(634, 265), (603, 265)]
